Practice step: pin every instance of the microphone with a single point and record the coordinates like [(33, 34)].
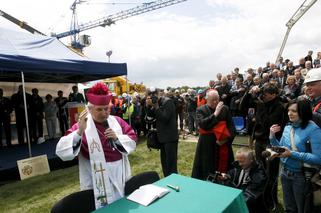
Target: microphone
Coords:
[(105, 124), (110, 140)]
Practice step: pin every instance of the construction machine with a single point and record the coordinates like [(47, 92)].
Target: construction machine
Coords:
[(79, 42)]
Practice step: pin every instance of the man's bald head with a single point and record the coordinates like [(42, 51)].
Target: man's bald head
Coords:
[(212, 98)]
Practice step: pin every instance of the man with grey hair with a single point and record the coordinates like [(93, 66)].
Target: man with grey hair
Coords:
[(313, 90), (102, 143), (250, 177), (214, 148)]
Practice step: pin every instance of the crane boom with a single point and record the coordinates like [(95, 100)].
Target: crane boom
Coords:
[(306, 5), (111, 19), (22, 24)]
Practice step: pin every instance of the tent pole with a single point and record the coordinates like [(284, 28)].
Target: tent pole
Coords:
[(128, 102), (26, 113)]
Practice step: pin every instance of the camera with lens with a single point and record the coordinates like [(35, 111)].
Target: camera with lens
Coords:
[(154, 98), (272, 151), (218, 178)]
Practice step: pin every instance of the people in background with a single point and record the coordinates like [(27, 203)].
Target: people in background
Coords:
[(5, 111), (50, 110), (75, 96), (19, 108), (62, 113), (36, 117)]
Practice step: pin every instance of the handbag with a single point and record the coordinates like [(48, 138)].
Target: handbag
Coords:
[(152, 140)]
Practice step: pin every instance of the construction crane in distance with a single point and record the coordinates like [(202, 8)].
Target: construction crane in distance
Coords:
[(306, 5), (22, 24), (80, 42)]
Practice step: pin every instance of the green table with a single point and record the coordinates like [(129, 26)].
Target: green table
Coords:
[(194, 196)]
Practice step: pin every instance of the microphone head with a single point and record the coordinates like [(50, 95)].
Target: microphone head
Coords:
[(266, 154), (105, 124)]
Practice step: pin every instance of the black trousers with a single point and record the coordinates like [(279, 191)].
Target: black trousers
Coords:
[(36, 127), (5, 125), (180, 116), (168, 155), (63, 124), (272, 172)]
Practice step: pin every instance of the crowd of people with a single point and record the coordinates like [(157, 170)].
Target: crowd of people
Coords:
[(279, 102), (37, 109)]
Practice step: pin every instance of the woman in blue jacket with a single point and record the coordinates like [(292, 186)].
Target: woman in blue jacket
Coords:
[(296, 135)]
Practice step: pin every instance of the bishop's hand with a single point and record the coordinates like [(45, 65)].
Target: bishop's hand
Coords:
[(82, 122), (110, 134), (218, 108)]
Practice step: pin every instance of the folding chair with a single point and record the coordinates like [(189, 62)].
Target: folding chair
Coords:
[(238, 123), (78, 202)]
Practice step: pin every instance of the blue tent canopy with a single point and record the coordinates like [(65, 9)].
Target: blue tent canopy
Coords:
[(46, 59)]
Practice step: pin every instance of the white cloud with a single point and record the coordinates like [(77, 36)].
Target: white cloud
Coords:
[(187, 43)]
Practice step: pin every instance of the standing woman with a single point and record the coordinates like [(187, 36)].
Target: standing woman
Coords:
[(295, 139), (50, 109)]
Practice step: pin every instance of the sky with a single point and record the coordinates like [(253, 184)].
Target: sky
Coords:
[(183, 44)]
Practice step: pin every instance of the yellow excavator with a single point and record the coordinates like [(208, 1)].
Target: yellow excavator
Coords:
[(120, 85)]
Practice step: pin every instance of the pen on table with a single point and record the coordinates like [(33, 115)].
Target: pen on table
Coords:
[(176, 188)]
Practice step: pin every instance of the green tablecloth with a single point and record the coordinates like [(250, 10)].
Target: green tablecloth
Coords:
[(195, 196)]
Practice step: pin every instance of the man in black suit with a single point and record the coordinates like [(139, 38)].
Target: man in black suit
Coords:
[(19, 107), (75, 96), (5, 111), (62, 112), (167, 133)]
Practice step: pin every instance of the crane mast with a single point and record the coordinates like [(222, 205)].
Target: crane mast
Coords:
[(22, 24), (111, 19), (306, 5)]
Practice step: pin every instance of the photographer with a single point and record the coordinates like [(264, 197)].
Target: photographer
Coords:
[(249, 176), (191, 106), (296, 137), (167, 133), (269, 110)]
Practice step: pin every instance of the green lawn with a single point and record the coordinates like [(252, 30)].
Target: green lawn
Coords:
[(38, 194)]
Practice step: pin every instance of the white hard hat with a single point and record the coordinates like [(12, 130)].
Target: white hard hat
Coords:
[(124, 95), (313, 75), (152, 89), (176, 91)]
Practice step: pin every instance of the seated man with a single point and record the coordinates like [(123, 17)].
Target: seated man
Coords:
[(250, 177)]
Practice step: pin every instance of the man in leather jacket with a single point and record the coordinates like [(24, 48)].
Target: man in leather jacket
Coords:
[(268, 110), (250, 177)]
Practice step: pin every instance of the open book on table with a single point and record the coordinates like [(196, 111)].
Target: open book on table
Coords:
[(146, 194)]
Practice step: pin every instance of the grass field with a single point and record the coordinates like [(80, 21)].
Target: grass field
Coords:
[(39, 194)]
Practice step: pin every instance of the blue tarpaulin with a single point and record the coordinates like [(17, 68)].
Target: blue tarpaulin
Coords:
[(46, 59)]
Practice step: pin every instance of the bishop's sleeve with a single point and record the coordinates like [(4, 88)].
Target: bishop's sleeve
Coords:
[(68, 146), (128, 137)]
